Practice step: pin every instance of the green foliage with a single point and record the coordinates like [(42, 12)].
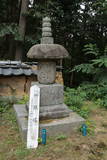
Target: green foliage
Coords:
[(101, 62), (39, 140), (5, 104), (96, 67), (90, 127), (102, 101), (10, 29), (91, 49), (24, 100), (61, 137), (21, 153), (90, 90), (85, 68), (75, 98), (96, 92), (84, 112), (72, 97)]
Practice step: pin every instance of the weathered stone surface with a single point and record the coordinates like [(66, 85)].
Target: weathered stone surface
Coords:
[(50, 94), (54, 127), (53, 115), (46, 19), (46, 29), (47, 51), (54, 108), (46, 72), (46, 32), (46, 24), (46, 36), (47, 39), (22, 119), (64, 126), (54, 112)]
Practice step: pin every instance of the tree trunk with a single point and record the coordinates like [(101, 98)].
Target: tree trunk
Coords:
[(11, 48), (22, 29)]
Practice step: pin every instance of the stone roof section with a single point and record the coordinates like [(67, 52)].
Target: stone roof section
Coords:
[(47, 51)]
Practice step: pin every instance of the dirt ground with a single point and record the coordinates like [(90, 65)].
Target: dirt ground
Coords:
[(75, 147)]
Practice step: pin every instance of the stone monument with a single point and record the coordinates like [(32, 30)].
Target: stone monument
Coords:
[(54, 114), (47, 54)]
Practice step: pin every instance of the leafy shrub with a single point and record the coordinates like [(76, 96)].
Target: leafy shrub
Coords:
[(96, 92), (90, 90), (74, 98), (5, 103), (97, 66), (24, 100), (84, 112), (103, 102), (61, 137), (90, 127)]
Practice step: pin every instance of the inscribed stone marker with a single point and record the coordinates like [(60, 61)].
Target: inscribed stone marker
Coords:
[(33, 119)]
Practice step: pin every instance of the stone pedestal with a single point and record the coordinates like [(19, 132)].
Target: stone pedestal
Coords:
[(51, 101), (54, 127), (50, 94)]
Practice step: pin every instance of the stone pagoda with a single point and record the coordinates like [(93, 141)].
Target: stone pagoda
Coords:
[(54, 114), (47, 54)]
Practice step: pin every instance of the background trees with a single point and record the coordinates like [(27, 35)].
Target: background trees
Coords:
[(75, 24)]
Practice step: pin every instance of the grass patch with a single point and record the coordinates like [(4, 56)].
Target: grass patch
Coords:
[(57, 148)]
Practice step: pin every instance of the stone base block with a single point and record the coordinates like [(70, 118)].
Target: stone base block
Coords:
[(54, 111), (50, 94), (54, 126)]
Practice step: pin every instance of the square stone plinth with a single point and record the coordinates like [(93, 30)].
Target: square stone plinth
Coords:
[(54, 127), (50, 94)]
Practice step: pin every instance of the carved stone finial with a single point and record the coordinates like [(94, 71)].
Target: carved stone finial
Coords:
[(47, 32)]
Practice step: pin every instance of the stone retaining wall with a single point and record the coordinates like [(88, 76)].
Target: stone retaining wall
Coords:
[(20, 85)]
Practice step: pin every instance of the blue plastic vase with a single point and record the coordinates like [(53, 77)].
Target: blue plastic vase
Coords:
[(84, 129), (44, 136)]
